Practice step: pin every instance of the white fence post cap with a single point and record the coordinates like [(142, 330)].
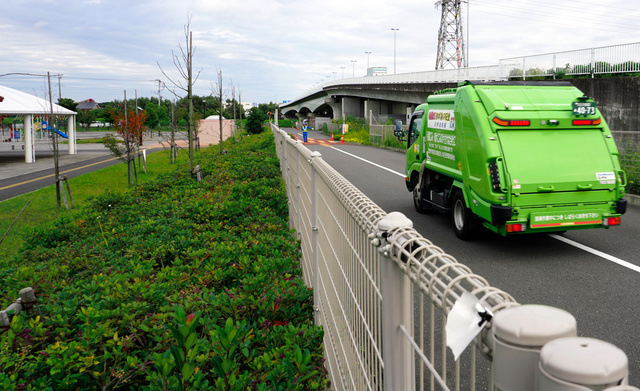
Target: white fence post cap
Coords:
[(533, 325), (584, 361), (394, 220)]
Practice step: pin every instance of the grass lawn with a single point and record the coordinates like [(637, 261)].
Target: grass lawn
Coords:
[(43, 209)]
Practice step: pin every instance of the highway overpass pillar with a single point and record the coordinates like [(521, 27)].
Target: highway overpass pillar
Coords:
[(372, 108), (353, 106)]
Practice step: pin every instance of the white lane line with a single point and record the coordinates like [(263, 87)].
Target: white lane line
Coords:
[(558, 237), (598, 253), (370, 162)]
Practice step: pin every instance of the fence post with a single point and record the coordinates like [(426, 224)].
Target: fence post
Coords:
[(314, 240), (573, 364), (519, 333), (398, 372)]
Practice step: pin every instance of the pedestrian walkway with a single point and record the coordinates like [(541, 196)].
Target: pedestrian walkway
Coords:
[(12, 162), (315, 137)]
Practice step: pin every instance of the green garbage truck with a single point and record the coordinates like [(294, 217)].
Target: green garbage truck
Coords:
[(515, 157)]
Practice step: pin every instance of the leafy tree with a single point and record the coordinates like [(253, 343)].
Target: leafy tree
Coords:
[(268, 107), (228, 112), (255, 120), (68, 103), (130, 127), (153, 119), (86, 117)]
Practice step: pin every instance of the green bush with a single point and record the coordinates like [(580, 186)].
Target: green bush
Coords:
[(255, 121), (178, 284)]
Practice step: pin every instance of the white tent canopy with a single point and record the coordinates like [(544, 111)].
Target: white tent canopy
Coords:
[(14, 102)]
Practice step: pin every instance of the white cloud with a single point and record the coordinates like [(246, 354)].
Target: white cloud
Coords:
[(277, 49)]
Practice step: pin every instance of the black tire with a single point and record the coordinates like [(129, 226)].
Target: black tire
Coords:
[(462, 218), (418, 203)]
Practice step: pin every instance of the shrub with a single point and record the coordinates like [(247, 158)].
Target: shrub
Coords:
[(255, 121), (178, 284)]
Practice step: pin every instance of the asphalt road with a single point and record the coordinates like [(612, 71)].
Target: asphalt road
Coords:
[(536, 268), (18, 177)]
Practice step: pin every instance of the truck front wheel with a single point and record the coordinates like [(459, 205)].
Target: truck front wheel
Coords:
[(462, 217), (418, 203)]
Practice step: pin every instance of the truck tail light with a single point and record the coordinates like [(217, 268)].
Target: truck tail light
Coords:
[(495, 176), (518, 227), (586, 122), (609, 221), (515, 122)]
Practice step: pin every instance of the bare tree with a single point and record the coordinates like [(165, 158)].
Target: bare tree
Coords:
[(218, 89), (184, 65)]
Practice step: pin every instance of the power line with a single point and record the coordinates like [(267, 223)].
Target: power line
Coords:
[(591, 22)]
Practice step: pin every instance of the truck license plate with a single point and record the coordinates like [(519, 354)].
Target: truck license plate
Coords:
[(584, 108)]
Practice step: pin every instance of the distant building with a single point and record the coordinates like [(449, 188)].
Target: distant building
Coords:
[(376, 71), (248, 106), (88, 104)]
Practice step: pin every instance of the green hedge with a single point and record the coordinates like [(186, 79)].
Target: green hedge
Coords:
[(176, 285)]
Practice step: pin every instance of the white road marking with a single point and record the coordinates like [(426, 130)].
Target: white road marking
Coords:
[(370, 162), (598, 253), (558, 237)]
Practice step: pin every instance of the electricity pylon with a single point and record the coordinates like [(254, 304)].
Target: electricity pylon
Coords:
[(451, 45)]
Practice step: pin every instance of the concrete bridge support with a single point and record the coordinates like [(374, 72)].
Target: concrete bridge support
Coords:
[(336, 106), (352, 106)]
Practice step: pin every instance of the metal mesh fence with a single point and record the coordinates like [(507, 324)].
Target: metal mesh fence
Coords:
[(628, 144), (383, 307)]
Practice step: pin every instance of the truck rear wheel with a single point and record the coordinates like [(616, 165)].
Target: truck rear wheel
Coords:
[(462, 217)]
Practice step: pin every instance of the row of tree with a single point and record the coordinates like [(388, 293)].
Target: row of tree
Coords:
[(159, 113)]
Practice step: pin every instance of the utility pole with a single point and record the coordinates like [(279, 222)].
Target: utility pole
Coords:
[(54, 137), (395, 31), (159, 96), (451, 44), (59, 88)]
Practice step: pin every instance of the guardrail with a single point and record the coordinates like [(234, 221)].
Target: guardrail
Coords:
[(387, 298), (604, 59)]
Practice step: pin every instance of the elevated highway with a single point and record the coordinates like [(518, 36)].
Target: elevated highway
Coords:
[(395, 96)]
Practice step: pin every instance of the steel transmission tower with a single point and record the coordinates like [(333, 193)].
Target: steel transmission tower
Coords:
[(451, 45)]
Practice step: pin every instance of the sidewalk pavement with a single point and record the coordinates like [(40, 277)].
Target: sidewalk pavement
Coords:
[(12, 161)]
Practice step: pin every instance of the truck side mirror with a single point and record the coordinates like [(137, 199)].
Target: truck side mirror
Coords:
[(398, 131)]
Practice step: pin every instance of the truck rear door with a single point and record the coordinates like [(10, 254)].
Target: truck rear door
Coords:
[(558, 160)]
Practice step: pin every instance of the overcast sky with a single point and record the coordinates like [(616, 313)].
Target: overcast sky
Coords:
[(274, 50)]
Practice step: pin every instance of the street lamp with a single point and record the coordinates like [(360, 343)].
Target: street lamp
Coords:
[(353, 62), (367, 53), (394, 48), (334, 74), (342, 71), (204, 109)]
